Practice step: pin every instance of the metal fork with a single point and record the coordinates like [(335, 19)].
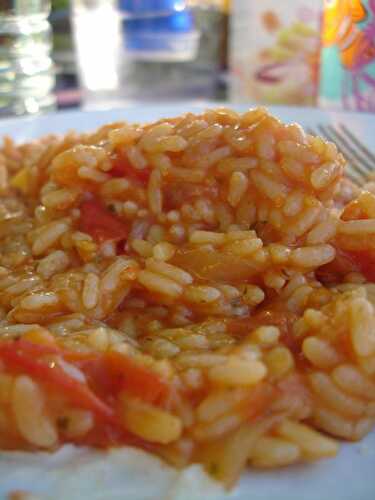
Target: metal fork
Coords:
[(361, 161)]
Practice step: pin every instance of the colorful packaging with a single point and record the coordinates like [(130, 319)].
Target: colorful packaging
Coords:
[(274, 51), (347, 78)]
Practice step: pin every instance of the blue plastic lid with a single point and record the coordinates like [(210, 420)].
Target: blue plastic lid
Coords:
[(181, 22), (151, 6), (155, 27)]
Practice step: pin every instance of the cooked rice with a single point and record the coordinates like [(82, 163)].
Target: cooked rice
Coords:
[(201, 287)]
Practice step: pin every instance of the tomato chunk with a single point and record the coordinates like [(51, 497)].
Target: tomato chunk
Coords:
[(137, 380), (18, 356), (261, 398), (365, 263), (123, 168), (100, 223), (106, 376), (346, 262), (112, 373)]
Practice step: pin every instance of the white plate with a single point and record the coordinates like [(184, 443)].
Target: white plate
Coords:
[(349, 476), (362, 124)]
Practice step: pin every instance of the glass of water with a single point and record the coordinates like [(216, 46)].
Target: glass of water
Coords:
[(27, 76)]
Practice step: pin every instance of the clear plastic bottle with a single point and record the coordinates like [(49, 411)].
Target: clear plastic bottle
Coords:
[(26, 69)]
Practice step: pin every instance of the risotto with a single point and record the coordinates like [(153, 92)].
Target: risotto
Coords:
[(200, 287)]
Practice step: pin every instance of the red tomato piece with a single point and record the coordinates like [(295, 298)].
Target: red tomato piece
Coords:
[(112, 372), (260, 399), (123, 168), (18, 357), (346, 262), (138, 380), (106, 376), (365, 262), (100, 223)]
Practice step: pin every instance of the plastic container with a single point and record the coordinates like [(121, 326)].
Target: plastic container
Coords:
[(151, 7), (131, 51), (158, 30)]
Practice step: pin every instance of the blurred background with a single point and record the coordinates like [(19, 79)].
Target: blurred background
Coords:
[(107, 53)]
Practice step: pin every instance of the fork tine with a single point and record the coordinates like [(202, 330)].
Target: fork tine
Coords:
[(359, 144), (330, 134), (355, 180), (363, 162), (310, 131)]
